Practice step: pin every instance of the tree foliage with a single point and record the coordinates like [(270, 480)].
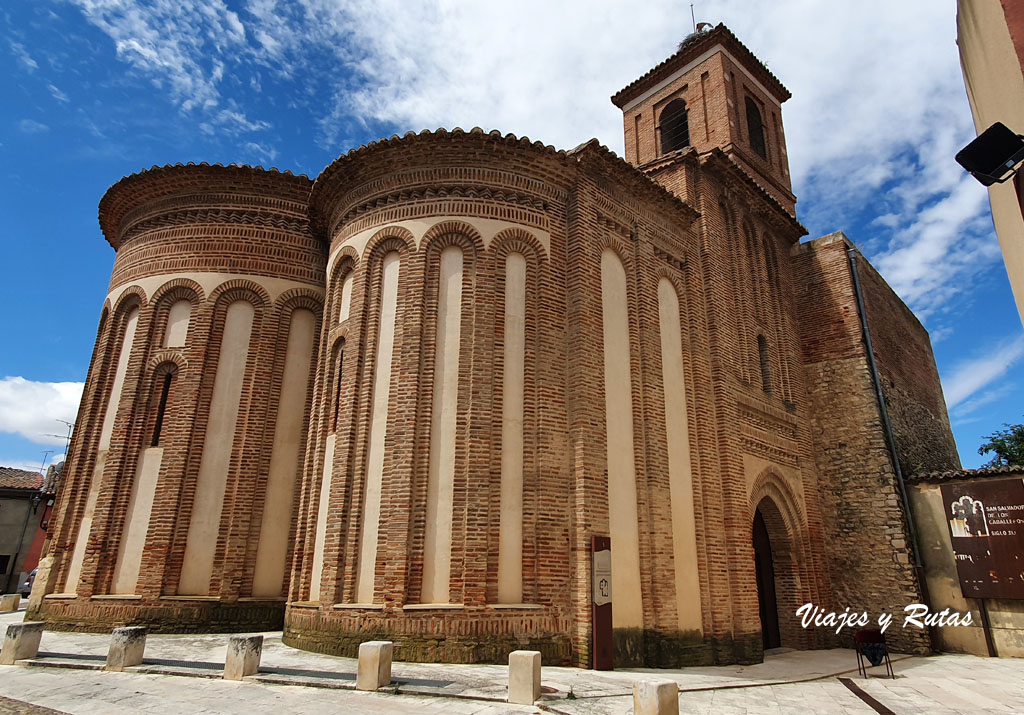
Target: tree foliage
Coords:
[(1007, 445)]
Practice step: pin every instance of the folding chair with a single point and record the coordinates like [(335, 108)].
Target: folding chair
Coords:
[(871, 645)]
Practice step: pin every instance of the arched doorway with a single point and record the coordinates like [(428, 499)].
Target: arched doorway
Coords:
[(764, 566)]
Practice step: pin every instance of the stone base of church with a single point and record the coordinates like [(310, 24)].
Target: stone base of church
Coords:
[(432, 635), (645, 648), (488, 634), (168, 614)]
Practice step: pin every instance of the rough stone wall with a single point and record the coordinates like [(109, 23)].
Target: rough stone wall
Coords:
[(871, 563), (208, 235), (910, 380)]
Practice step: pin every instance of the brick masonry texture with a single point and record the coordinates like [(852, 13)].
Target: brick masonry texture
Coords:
[(780, 405)]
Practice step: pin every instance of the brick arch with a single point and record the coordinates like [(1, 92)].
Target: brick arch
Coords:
[(240, 289), (519, 240), (772, 497), (344, 254), (450, 233), (299, 298), (673, 277), (617, 246), (344, 266), (179, 289), (131, 297), (390, 238), (164, 357), (770, 484), (338, 331)]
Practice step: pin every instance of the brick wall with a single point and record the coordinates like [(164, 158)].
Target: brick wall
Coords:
[(208, 235), (866, 533)]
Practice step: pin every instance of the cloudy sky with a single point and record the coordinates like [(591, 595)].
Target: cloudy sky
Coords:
[(96, 89)]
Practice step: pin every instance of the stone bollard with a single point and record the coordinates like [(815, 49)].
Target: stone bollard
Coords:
[(655, 697), (10, 602), (524, 677), (126, 648), (21, 641), (374, 669), (243, 657)]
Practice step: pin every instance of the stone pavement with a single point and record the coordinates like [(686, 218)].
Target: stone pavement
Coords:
[(182, 673)]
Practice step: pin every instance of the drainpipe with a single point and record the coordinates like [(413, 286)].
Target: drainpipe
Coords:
[(884, 413)]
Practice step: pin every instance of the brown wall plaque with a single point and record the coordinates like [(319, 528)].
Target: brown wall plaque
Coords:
[(986, 527)]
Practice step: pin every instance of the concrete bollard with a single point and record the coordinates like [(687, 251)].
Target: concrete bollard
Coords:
[(243, 657), (21, 641), (126, 648), (524, 677), (655, 697), (10, 602), (374, 665)]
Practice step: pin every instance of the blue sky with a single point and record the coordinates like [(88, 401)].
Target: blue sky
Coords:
[(93, 90)]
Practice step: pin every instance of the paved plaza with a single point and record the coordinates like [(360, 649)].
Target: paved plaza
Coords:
[(181, 673)]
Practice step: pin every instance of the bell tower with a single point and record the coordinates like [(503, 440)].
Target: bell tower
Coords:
[(712, 93)]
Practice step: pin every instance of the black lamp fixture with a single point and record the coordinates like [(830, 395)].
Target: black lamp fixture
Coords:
[(994, 156)]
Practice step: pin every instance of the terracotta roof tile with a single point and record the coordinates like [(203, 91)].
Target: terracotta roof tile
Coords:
[(692, 46), (11, 478), (982, 473)]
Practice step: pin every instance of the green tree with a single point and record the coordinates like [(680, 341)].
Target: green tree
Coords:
[(1007, 444)]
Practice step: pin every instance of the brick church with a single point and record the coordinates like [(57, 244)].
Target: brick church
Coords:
[(399, 401)]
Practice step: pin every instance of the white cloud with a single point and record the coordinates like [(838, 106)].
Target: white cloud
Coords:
[(179, 42), (969, 376), (878, 108), (24, 57), (57, 94), (32, 409), (264, 154), (31, 126), (985, 398), (29, 464)]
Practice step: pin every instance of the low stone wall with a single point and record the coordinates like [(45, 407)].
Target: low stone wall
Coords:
[(644, 648), (165, 616), (485, 635)]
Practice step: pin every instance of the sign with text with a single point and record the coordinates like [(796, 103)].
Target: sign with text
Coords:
[(602, 657), (602, 577), (986, 527)]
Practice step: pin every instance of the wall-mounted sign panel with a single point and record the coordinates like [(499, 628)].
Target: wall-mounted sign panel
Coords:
[(986, 527)]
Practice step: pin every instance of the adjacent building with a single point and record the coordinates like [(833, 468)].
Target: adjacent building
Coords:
[(20, 496), (990, 35)]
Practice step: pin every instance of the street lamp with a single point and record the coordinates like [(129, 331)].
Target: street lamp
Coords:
[(994, 156)]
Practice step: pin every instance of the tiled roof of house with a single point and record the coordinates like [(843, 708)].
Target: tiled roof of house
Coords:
[(11, 478), (982, 473)]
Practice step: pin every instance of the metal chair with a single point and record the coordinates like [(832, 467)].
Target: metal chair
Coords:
[(871, 638)]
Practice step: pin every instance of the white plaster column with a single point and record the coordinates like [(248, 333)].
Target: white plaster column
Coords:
[(321, 519), (684, 535), (208, 502), (346, 298), (510, 540), (627, 609), (140, 508), (78, 554), (271, 552), (177, 324), (437, 537), (378, 429)]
